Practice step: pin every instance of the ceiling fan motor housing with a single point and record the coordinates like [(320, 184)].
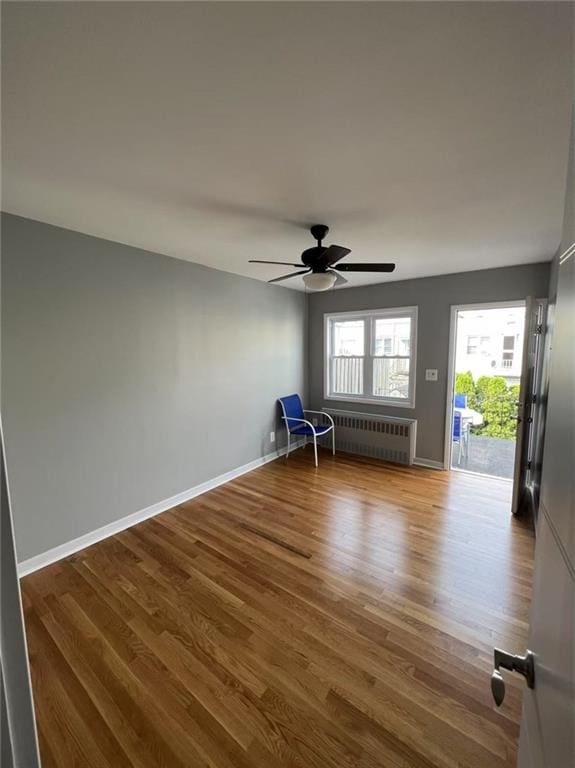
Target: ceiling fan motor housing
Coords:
[(311, 255)]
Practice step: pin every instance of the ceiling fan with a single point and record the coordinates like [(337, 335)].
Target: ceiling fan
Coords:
[(320, 264)]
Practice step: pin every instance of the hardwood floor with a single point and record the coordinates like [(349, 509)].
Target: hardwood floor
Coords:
[(344, 616)]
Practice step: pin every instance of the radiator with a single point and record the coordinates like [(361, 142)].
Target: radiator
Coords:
[(381, 437)]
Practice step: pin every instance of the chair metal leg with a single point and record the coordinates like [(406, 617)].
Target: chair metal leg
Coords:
[(288, 443), (315, 448), (333, 442)]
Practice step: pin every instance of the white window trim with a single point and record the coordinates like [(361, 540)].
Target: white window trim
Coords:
[(411, 312)]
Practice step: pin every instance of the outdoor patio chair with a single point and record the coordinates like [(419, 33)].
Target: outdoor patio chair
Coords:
[(460, 435), (296, 423)]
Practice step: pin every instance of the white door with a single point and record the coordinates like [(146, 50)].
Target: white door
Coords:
[(548, 726), (19, 737), (537, 407), (522, 434)]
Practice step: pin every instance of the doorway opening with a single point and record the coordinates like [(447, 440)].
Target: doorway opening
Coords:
[(494, 422), (488, 363)]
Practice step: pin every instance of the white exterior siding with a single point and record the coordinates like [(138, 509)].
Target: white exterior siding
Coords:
[(490, 342)]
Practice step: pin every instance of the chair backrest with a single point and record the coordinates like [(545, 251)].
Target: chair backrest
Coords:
[(460, 401), (292, 409), (456, 426)]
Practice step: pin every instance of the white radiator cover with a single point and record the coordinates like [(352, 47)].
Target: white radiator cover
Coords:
[(381, 437)]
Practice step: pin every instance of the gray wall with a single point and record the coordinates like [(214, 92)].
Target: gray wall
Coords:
[(434, 297), (128, 376)]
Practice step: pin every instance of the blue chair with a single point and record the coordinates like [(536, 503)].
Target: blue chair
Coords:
[(460, 434), (460, 401), (297, 424)]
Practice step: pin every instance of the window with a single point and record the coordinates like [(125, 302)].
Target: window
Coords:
[(508, 351), (370, 356)]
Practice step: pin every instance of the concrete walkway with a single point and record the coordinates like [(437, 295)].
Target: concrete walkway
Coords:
[(487, 455)]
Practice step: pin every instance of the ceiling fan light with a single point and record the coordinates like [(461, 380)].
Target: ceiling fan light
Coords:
[(319, 281)]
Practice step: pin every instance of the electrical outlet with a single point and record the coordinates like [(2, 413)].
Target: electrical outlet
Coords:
[(272, 437), (314, 422)]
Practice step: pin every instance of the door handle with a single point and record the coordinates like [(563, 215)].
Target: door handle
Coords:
[(525, 665)]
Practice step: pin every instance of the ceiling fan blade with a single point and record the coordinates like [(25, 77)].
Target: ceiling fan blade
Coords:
[(332, 254), (283, 263), (365, 267), (291, 274)]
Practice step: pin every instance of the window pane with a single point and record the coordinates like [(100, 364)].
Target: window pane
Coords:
[(347, 375), (348, 337), (391, 377), (509, 343), (392, 336)]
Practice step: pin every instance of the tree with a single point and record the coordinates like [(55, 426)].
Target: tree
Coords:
[(464, 385), (494, 399), (496, 402)]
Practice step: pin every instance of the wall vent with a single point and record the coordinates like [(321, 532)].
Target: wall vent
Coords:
[(380, 437)]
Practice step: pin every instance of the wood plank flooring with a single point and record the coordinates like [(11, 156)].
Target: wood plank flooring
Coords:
[(339, 617)]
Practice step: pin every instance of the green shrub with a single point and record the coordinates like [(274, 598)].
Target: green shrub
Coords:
[(494, 399)]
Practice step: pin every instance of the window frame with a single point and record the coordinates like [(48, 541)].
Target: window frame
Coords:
[(371, 315)]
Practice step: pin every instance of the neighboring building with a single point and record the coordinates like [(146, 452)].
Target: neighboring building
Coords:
[(490, 342)]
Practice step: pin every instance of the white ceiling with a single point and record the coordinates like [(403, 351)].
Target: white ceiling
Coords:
[(433, 135)]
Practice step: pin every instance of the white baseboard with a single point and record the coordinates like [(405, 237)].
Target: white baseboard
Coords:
[(429, 463), (70, 547)]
